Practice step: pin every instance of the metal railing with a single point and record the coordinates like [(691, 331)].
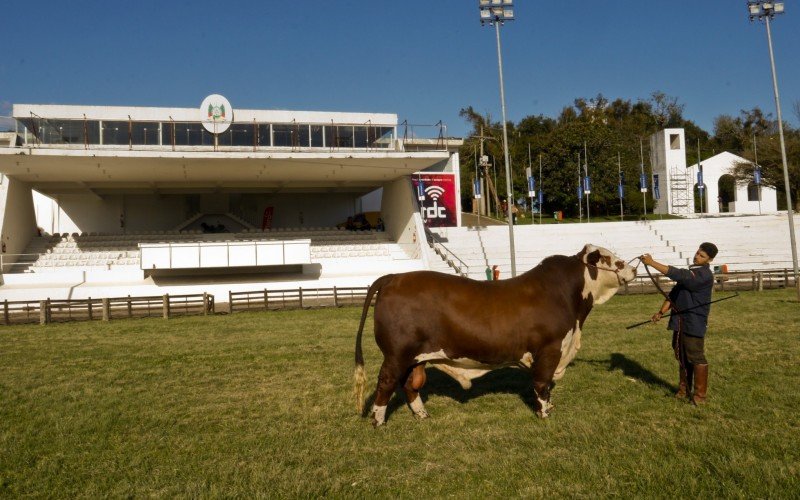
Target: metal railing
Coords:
[(462, 268)]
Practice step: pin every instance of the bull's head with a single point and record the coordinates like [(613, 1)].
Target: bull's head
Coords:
[(605, 272)]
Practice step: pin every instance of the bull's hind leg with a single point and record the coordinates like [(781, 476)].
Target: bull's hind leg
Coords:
[(414, 382), (387, 383), (544, 366)]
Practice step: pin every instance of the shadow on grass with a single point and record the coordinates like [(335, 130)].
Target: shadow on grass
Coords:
[(631, 369), (512, 381), (501, 381)]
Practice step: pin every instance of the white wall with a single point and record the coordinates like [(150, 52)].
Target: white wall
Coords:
[(17, 217), (297, 209), (398, 208)]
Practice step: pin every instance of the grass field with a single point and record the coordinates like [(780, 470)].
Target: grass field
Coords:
[(259, 405)]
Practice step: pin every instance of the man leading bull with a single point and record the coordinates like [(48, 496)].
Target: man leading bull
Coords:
[(690, 302)]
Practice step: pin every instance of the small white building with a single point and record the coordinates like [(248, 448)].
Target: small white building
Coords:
[(675, 185), (724, 194)]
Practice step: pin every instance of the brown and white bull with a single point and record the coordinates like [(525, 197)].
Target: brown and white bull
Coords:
[(466, 328)]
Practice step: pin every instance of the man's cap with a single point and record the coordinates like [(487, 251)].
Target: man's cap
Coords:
[(709, 248)]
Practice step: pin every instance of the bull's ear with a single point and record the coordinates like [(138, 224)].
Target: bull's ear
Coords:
[(583, 251), (593, 257)]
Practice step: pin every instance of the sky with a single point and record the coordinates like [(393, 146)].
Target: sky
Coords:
[(423, 61)]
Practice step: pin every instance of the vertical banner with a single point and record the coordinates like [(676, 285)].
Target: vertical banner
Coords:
[(757, 176), (438, 205), (476, 188), (656, 188), (643, 183), (266, 221), (587, 185)]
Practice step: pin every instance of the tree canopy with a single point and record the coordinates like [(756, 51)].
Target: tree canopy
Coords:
[(610, 129)]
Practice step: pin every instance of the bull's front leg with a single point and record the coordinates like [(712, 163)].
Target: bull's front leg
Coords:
[(544, 366)]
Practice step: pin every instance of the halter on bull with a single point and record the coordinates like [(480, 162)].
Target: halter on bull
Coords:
[(466, 328)]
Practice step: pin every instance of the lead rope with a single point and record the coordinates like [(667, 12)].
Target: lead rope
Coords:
[(677, 336)]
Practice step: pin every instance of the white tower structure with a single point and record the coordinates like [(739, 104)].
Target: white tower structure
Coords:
[(671, 178)]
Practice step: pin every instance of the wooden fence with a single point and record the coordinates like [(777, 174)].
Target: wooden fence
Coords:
[(105, 309), (167, 306), (731, 281), (264, 300)]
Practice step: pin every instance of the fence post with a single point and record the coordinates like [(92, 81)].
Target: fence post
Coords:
[(300, 296), (786, 278), (335, 298), (43, 312), (106, 310), (130, 308), (266, 300), (165, 301), (760, 280), (5, 312), (205, 304), (90, 309)]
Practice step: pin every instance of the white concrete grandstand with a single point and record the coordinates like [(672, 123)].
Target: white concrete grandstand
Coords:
[(119, 198)]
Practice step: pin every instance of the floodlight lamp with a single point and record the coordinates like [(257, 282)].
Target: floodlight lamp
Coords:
[(755, 10), (483, 3), (508, 3), (486, 15), (778, 9), (497, 2), (508, 14)]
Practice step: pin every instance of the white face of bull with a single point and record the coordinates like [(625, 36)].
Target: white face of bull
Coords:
[(604, 273)]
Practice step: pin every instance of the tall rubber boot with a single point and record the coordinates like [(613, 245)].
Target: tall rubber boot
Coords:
[(700, 384), (683, 385)]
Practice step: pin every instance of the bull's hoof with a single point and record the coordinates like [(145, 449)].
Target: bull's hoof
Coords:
[(422, 415), (544, 408), (377, 424)]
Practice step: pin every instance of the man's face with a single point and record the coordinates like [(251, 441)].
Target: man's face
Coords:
[(701, 258)]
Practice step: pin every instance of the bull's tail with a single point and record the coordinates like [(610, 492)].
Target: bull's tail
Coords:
[(359, 376)]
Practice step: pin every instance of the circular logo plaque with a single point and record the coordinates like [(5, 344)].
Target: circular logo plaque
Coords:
[(216, 114)]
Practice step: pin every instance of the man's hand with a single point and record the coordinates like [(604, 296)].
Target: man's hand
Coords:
[(647, 259), (657, 316)]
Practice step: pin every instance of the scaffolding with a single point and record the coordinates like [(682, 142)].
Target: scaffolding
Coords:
[(681, 191)]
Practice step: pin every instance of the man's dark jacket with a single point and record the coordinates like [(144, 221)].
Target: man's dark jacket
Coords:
[(693, 287)]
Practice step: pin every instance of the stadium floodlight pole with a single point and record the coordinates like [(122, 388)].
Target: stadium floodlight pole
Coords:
[(642, 187), (497, 12), (766, 10)]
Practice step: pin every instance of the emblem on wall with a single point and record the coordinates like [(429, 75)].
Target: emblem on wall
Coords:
[(216, 113)]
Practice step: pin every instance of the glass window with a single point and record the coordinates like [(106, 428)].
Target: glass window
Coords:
[(145, 133), (360, 137), (282, 135), (317, 132), (380, 137), (290, 135), (191, 134), (70, 131), (263, 135), (115, 133), (344, 136), (238, 134)]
